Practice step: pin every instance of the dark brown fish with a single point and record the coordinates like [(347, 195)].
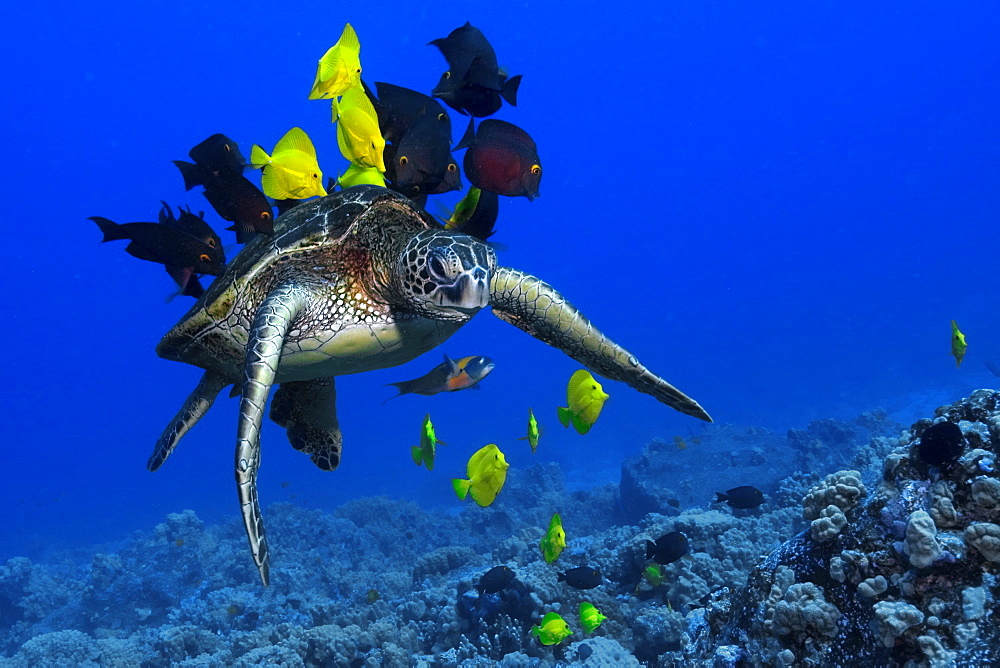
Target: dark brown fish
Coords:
[(399, 108), (422, 160), (744, 497), (233, 197), (218, 152), (194, 225), (501, 158), (165, 245), (668, 548)]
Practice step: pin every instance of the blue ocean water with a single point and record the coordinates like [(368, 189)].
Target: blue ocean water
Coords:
[(777, 207)]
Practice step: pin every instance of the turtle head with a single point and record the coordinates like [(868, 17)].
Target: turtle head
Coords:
[(445, 275)]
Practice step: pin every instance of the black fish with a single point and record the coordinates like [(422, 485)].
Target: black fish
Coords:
[(474, 83), (741, 497), (233, 197), (422, 161), (581, 577), (163, 244), (399, 108), (218, 152), (668, 548), (494, 580), (194, 225), (941, 443), (502, 158), (483, 219)]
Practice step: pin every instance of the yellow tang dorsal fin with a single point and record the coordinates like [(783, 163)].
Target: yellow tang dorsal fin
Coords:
[(295, 140), (356, 98), (550, 617), (349, 40), (575, 382)]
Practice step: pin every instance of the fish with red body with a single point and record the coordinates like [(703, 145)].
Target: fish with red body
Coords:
[(474, 84), (501, 158)]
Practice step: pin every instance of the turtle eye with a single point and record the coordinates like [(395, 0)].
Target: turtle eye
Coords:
[(403, 160), (203, 258), (436, 266), (452, 167), (536, 169)]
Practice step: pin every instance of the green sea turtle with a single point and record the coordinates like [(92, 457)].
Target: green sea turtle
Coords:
[(355, 281)]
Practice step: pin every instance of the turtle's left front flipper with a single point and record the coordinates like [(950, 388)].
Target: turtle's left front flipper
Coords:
[(539, 309), (195, 406), (307, 409), (263, 351)]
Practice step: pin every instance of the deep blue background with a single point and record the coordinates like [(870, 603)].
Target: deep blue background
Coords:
[(776, 206)]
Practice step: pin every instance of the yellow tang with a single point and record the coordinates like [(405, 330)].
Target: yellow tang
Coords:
[(653, 575), (487, 471), (958, 344), (590, 617), (340, 67), (291, 171), (554, 540), (464, 209), (552, 629), (425, 452), (359, 174), (533, 432), (586, 398), (358, 134)]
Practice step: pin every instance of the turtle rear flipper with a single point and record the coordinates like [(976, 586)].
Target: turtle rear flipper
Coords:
[(307, 409), (195, 406), (539, 309), (271, 323)]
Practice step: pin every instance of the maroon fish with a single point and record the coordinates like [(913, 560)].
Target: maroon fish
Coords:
[(502, 159)]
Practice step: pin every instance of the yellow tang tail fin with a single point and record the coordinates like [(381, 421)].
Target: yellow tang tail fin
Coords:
[(417, 453), (581, 426), (565, 415), (462, 487), (258, 157)]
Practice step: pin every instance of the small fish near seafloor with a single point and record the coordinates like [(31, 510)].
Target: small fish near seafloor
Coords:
[(552, 629), (581, 577), (554, 540), (534, 433), (743, 497), (668, 548), (449, 376), (494, 580), (487, 471)]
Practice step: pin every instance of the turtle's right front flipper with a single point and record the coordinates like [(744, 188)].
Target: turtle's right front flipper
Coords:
[(196, 405), (263, 351), (533, 305)]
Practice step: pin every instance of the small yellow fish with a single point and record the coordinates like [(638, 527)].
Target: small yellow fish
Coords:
[(359, 174), (358, 134), (586, 398), (552, 630), (291, 171), (487, 471), (424, 453), (958, 345), (590, 617), (464, 209), (653, 575), (533, 432), (340, 67), (554, 540)]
